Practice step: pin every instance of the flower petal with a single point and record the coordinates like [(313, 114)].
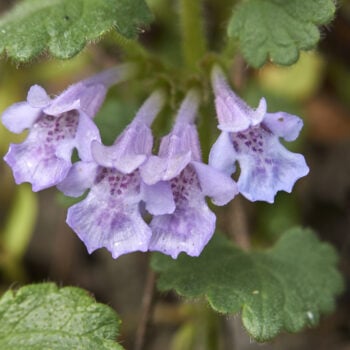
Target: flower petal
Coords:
[(37, 97), (215, 184), (80, 177), (80, 97), (100, 225), (222, 154), (284, 125), (229, 114), (110, 216), (163, 169), (87, 132), (129, 151), (92, 98), (181, 140), (44, 158), (68, 100), (176, 151), (150, 108), (158, 198), (232, 112), (275, 169), (192, 224), (20, 116), (89, 94), (187, 230), (30, 163), (112, 76)]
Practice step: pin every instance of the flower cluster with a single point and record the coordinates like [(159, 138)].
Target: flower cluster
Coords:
[(125, 180)]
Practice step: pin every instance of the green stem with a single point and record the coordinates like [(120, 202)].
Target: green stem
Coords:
[(130, 47), (193, 36)]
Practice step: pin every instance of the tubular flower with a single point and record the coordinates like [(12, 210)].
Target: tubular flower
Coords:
[(110, 214), (192, 224), (56, 126), (251, 137)]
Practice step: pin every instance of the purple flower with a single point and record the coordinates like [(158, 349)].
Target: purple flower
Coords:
[(251, 137), (192, 224), (110, 215), (56, 127)]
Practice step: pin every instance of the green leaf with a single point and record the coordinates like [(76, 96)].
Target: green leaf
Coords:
[(43, 316), (283, 289), (278, 29), (64, 27)]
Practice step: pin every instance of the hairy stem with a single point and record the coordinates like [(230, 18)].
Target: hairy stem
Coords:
[(192, 26), (238, 225), (130, 47), (146, 309)]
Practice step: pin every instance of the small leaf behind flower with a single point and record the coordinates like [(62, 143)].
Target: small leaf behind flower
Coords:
[(283, 289), (278, 29)]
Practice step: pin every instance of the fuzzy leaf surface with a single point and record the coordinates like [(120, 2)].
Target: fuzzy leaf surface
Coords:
[(43, 316), (64, 27), (278, 29), (285, 288)]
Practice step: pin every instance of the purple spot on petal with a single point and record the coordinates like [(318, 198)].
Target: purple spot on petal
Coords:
[(184, 184)]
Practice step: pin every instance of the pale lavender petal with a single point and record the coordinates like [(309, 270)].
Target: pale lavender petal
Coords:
[(91, 99), (30, 164), (192, 224), (266, 166), (110, 217), (215, 184), (158, 198), (89, 94), (283, 125), (232, 112), (112, 157), (181, 140), (20, 116), (129, 151), (37, 97), (134, 145), (101, 225), (259, 113), (150, 108), (44, 158), (112, 75), (222, 154), (184, 136), (163, 169), (87, 132), (176, 151), (189, 108), (78, 97), (80, 177), (186, 230)]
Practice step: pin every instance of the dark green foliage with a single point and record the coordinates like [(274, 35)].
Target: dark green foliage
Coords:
[(283, 289), (64, 27), (278, 29)]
